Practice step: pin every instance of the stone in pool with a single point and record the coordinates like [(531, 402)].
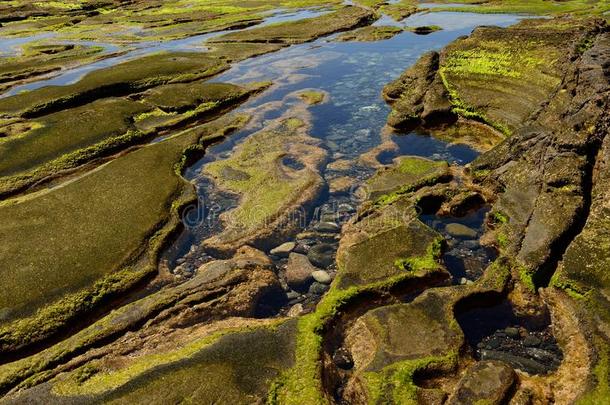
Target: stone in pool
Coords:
[(460, 231)]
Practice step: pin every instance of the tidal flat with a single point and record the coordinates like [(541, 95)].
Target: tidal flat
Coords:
[(305, 202)]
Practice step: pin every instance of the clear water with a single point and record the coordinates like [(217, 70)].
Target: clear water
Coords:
[(352, 122), (194, 43)]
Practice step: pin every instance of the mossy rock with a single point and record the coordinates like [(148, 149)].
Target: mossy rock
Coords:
[(370, 34), (270, 191), (40, 59), (236, 366), (387, 367), (408, 173), (305, 30), (82, 258), (125, 78)]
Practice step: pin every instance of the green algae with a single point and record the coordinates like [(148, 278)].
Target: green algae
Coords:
[(425, 262), (409, 174), (128, 77), (305, 30), (302, 383), (539, 7), (370, 34), (238, 368), (394, 383), (268, 189), (95, 382), (45, 292), (312, 97)]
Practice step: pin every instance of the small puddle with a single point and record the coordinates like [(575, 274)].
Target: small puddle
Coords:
[(464, 257), (496, 332)]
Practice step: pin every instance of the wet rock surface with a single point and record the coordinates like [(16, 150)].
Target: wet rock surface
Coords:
[(301, 276)]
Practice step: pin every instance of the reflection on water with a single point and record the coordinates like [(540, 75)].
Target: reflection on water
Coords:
[(191, 44)]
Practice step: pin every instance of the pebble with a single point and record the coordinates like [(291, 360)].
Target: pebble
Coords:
[(298, 270), (318, 288), (322, 277), (296, 310), (512, 332), (328, 227), (531, 341), (291, 295), (284, 249), (322, 255)]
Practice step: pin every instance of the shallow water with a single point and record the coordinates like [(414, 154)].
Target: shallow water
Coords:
[(194, 43), (464, 257), (353, 120)]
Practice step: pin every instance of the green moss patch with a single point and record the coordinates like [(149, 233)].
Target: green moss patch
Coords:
[(369, 34), (269, 190), (305, 30), (85, 232), (407, 174), (487, 72), (125, 78)]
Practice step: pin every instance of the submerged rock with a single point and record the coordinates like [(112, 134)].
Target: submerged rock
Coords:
[(322, 255), (321, 277), (486, 381), (460, 231), (284, 249), (299, 271), (273, 196)]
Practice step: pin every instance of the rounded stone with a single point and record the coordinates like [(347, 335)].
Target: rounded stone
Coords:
[(284, 249), (322, 255), (318, 288), (512, 332), (298, 271), (531, 341), (322, 277)]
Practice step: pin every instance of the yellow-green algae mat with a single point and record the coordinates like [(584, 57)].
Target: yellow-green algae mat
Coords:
[(68, 248)]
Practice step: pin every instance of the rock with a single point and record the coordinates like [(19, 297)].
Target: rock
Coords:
[(512, 332), (298, 271), (522, 363), (284, 249), (328, 227), (343, 359), (460, 231), (247, 256), (296, 310), (407, 172), (322, 277), (291, 295), (532, 341), (322, 255), (341, 184), (370, 33), (318, 288), (485, 381)]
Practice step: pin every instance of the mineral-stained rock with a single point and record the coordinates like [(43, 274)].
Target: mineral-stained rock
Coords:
[(488, 381)]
